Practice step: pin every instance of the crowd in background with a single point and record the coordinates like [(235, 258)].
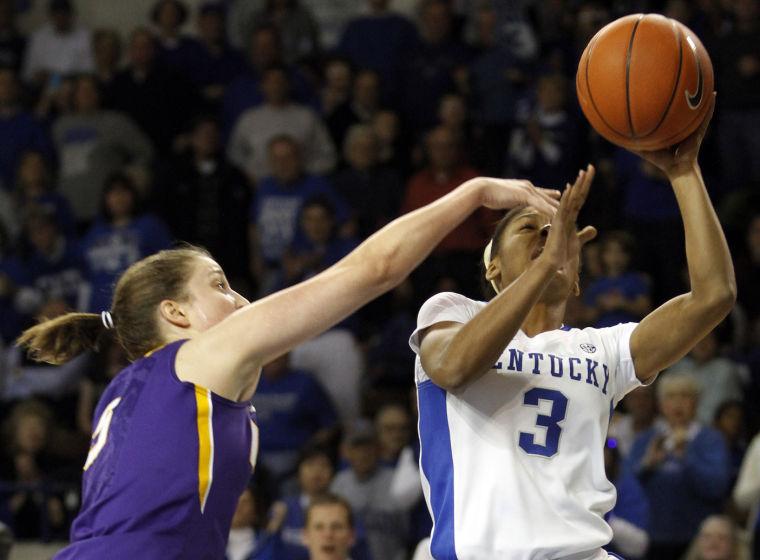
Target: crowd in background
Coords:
[(279, 134)]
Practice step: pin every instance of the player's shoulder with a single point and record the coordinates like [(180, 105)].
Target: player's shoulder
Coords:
[(450, 300)]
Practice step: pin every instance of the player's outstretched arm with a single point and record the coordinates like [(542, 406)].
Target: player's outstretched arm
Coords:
[(455, 354), (226, 358), (672, 330)]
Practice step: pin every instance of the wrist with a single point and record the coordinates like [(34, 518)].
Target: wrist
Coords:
[(683, 171)]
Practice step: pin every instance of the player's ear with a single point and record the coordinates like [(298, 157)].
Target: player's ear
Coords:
[(493, 272), (576, 287), (173, 313)]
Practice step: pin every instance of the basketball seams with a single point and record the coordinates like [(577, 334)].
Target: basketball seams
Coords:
[(679, 39), (628, 55), (591, 96)]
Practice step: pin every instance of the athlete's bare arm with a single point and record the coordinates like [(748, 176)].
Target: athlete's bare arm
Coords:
[(227, 357), (454, 354), (670, 331)]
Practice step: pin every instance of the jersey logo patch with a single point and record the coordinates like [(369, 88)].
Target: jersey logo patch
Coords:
[(589, 348)]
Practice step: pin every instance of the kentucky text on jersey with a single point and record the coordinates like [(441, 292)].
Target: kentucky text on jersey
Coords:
[(584, 370)]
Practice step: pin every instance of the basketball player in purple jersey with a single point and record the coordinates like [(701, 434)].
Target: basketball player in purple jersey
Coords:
[(174, 441)]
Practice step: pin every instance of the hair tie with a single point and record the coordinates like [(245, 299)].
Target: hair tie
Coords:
[(107, 319)]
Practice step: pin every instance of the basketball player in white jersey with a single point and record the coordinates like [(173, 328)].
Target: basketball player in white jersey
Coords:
[(514, 406)]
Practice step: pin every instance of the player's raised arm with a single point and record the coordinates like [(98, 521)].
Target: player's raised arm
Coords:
[(672, 330), (226, 357), (454, 354)]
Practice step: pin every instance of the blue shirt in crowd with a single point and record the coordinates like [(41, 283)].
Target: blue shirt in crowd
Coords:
[(109, 250)]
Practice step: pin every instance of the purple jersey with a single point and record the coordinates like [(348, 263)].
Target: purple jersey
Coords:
[(167, 464)]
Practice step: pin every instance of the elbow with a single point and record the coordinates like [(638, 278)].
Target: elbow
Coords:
[(384, 274), (450, 380), (720, 300)]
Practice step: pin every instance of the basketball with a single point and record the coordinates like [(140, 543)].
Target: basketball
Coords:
[(644, 82)]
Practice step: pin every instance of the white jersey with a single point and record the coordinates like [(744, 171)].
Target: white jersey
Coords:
[(512, 465)]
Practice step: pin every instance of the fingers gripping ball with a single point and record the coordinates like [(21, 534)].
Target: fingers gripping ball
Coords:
[(644, 82)]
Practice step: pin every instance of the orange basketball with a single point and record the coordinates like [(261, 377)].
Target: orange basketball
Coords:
[(644, 82)]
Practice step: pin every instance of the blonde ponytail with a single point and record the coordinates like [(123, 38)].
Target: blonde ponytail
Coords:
[(56, 341)]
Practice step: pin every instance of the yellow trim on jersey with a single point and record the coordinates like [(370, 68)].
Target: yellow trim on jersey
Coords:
[(205, 411), (156, 349)]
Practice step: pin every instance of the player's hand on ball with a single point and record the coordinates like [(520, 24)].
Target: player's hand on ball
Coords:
[(681, 157), (500, 194)]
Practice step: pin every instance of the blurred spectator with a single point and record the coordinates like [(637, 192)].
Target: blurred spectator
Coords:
[(318, 245), (683, 467), (393, 426), (372, 190), (56, 100), (296, 25), (13, 321), (748, 270), (35, 190), (336, 360), (496, 82), (718, 539), (19, 130), (431, 64), (205, 200), (336, 89), (314, 475), (367, 486), (59, 47), (48, 267), (381, 41), (361, 108), (329, 532), (640, 413), (6, 541), (122, 235), (629, 518), (392, 146), (737, 62), (292, 409), (276, 206), (12, 42), (461, 248), (719, 378), (388, 355), (106, 49), (173, 49), (28, 462), (746, 493), (332, 18), (92, 144), (543, 144), (216, 63), (651, 216), (619, 295), (279, 116), (729, 421), (264, 50), (453, 114), (252, 536), (157, 99)]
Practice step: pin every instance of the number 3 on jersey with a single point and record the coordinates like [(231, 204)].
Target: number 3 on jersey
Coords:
[(100, 435), (549, 421)]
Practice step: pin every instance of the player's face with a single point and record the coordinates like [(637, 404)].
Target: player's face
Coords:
[(328, 534), (210, 297), (521, 242)]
